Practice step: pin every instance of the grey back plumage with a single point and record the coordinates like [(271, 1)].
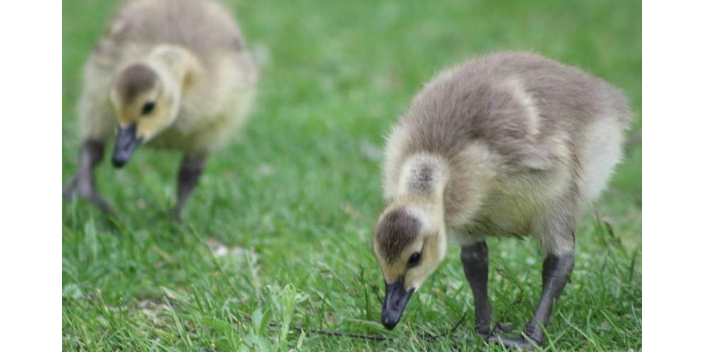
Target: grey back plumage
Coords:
[(472, 103), (202, 26)]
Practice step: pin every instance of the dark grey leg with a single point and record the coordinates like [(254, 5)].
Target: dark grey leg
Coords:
[(475, 259), (188, 175), (83, 183), (556, 272)]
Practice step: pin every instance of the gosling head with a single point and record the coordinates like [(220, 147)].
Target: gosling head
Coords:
[(409, 244), (145, 102)]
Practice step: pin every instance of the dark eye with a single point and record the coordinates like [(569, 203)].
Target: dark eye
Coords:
[(147, 108), (414, 259)]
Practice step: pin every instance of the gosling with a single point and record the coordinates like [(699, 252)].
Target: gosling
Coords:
[(172, 74), (509, 144)]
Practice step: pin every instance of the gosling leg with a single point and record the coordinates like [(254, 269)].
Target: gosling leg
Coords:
[(83, 182), (475, 259), (188, 176), (556, 273)]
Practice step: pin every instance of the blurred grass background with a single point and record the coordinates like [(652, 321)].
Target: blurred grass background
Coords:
[(289, 208)]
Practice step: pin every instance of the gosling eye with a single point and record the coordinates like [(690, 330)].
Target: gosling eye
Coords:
[(414, 259), (148, 107)]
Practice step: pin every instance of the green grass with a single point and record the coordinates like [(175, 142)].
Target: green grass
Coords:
[(301, 191)]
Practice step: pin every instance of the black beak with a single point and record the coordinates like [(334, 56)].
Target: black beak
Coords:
[(394, 303), (125, 145)]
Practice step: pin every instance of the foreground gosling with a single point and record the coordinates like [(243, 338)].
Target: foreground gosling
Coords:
[(173, 74), (510, 144)]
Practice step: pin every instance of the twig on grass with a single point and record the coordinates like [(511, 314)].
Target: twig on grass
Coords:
[(425, 335)]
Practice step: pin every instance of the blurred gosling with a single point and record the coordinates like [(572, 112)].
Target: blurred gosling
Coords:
[(172, 74)]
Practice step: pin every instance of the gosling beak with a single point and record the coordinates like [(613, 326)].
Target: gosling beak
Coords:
[(125, 145), (394, 303)]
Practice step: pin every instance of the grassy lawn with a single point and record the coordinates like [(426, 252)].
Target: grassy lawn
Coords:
[(280, 227)]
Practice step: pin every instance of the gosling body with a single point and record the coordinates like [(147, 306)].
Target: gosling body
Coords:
[(510, 144)]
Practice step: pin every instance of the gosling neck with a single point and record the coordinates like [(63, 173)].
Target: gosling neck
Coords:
[(424, 177), (177, 65)]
